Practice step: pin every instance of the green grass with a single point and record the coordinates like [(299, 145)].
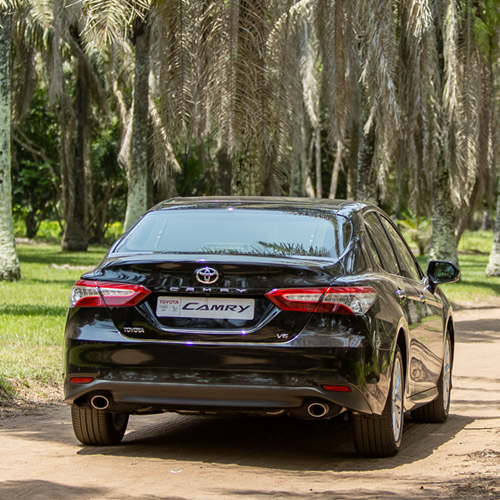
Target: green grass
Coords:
[(476, 242), (473, 254), (474, 286), (33, 310)]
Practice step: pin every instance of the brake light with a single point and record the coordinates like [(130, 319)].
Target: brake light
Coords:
[(90, 293), (296, 299), (338, 300)]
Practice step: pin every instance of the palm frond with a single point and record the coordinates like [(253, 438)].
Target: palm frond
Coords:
[(108, 20), (379, 72)]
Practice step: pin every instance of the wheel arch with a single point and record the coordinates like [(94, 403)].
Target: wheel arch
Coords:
[(450, 328), (401, 340)]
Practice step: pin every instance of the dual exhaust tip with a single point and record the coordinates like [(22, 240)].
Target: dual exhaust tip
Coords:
[(318, 410), (100, 402), (315, 410)]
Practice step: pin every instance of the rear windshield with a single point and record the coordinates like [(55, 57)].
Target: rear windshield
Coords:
[(239, 231)]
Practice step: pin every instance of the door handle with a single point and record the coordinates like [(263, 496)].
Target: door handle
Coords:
[(401, 294)]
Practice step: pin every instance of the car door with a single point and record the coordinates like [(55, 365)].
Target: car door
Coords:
[(402, 288), (427, 338)]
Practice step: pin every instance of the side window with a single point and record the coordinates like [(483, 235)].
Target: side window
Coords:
[(405, 258), (372, 250), (381, 243)]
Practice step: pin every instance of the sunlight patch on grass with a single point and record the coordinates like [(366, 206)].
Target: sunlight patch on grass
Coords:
[(33, 310), (25, 361)]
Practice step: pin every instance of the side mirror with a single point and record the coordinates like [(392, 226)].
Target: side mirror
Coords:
[(440, 272)]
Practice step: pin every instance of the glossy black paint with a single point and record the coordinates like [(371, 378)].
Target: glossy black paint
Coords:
[(281, 359)]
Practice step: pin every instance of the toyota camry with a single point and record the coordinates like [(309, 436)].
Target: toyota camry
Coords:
[(270, 306)]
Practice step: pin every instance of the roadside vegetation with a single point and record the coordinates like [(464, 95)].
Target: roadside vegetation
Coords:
[(33, 310)]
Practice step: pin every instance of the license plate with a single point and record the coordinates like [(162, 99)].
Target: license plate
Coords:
[(205, 307)]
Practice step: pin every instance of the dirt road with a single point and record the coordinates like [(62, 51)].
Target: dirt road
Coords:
[(175, 457)]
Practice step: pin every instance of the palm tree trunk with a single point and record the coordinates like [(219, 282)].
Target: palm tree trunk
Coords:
[(319, 186), (443, 240), (247, 173), (493, 267), (365, 182), (352, 159), (251, 98), (335, 173), (9, 264), (137, 199), (75, 236), (224, 169)]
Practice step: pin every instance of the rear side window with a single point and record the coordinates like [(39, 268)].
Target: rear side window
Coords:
[(381, 243), (233, 230), (406, 261)]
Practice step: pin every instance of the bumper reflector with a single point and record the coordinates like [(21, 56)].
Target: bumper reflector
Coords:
[(81, 380), (337, 388)]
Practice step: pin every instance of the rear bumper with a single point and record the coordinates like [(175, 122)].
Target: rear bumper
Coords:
[(135, 395), (268, 377)]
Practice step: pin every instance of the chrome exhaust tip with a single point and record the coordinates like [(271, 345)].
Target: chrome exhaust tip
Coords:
[(99, 402), (318, 410)]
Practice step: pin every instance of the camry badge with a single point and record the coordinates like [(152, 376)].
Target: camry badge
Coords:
[(206, 275)]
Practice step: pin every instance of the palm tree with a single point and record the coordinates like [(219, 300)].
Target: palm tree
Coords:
[(9, 264)]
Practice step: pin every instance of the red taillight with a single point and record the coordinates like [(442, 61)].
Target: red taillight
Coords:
[(81, 380), (339, 300), (296, 299), (337, 388), (90, 293)]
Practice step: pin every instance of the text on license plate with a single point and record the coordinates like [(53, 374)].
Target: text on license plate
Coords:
[(205, 307)]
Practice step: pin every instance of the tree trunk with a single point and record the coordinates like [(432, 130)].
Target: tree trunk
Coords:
[(9, 263), (335, 172), (251, 98), (352, 161), (319, 185), (75, 236), (443, 240), (365, 182), (493, 267), (247, 173), (137, 198), (366, 186), (224, 169)]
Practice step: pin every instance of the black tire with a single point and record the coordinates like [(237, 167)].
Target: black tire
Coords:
[(380, 436), (98, 428), (436, 412)]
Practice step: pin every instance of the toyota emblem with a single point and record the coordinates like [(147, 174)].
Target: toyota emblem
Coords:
[(206, 275)]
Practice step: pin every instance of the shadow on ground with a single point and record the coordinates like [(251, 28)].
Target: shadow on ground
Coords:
[(280, 443), (483, 330), (48, 490)]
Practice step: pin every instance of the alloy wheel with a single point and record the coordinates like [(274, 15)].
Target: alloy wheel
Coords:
[(447, 374), (397, 400)]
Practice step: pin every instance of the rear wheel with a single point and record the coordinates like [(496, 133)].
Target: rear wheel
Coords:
[(98, 428), (380, 436), (436, 412)]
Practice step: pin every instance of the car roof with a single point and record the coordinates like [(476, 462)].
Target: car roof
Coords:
[(341, 207)]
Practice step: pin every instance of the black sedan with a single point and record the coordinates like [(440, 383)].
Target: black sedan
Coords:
[(272, 306)]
